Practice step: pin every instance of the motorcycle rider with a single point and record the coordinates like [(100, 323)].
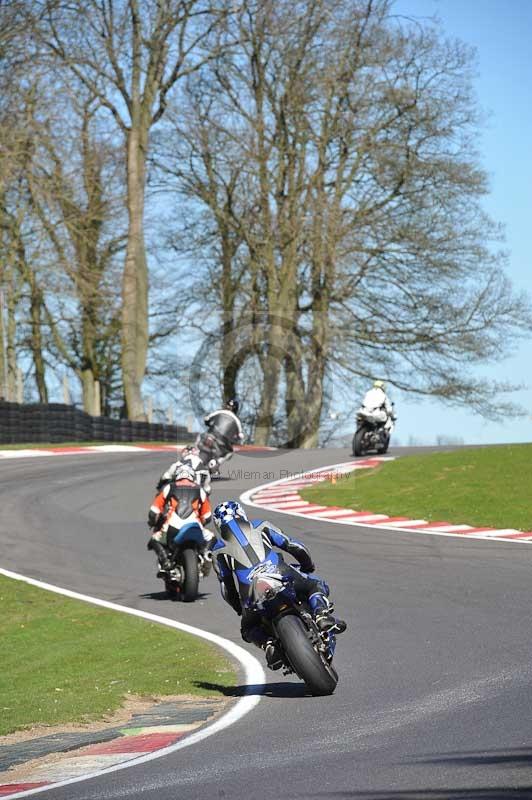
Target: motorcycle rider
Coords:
[(226, 428), (377, 404), (234, 560), (189, 456), (183, 495)]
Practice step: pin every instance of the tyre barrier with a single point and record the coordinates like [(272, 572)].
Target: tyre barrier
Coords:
[(39, 423)]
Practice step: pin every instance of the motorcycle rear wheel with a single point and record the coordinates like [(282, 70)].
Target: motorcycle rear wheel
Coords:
[(319, 677), (191, 582)]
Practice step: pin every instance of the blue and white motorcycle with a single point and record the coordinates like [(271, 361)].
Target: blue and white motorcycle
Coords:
[(306, 651), (184, 543)]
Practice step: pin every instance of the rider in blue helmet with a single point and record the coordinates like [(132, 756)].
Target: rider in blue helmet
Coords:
[(234, 558)]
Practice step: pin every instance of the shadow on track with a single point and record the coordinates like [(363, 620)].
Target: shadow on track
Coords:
[(279, 689), (516, 757), (173, 599)]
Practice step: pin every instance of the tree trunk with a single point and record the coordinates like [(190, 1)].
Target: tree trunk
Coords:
[(11, 349), (135, 280), (9, 298), (295, 405), (263, 429), (87, 372), (88, 385), (231, 356), (36, 300), (3, 364)]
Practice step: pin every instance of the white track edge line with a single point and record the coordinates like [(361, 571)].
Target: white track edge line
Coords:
[(254, 676)]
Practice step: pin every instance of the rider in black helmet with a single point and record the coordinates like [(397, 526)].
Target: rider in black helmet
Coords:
[(233, 405)]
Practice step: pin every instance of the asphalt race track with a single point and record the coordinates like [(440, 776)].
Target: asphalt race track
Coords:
[(434, 698)]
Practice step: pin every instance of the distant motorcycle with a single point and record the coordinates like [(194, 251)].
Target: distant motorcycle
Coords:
[(374, 429), (214, 448), (306, 651), (185, 550)]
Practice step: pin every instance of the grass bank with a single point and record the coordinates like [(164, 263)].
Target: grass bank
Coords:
[(64, 661), (486, 487)]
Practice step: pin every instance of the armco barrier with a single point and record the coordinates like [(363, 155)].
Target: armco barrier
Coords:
[(54, 422)]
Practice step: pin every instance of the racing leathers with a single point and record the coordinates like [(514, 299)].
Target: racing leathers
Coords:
[(235, 558), (178, 500), (377, 405)]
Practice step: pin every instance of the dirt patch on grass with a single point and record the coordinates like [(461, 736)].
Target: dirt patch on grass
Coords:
[(132, 705)]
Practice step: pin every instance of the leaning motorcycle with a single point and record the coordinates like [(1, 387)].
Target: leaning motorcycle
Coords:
[(213, 449), (187, 559), (306, 651), (372, 434)]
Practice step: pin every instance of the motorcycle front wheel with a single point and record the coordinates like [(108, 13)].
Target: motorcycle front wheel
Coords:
[(358, 450), (319, 677)]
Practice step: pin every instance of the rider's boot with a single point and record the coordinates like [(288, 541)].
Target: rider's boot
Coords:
[(162, 556), (323, 617), (274, 658)]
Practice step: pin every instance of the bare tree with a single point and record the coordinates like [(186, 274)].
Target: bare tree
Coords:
[(75, 189), (10, 54), (362, 241), (130, 54)]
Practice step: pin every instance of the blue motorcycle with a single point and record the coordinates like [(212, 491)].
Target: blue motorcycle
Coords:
[(306, 651)]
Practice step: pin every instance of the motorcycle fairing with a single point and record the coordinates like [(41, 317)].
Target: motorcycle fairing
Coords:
[(245, 575)]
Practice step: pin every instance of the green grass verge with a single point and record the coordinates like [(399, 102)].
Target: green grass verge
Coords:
[(65, 661), (486, 487)]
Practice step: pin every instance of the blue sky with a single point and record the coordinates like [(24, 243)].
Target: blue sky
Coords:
[(501, 32)]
